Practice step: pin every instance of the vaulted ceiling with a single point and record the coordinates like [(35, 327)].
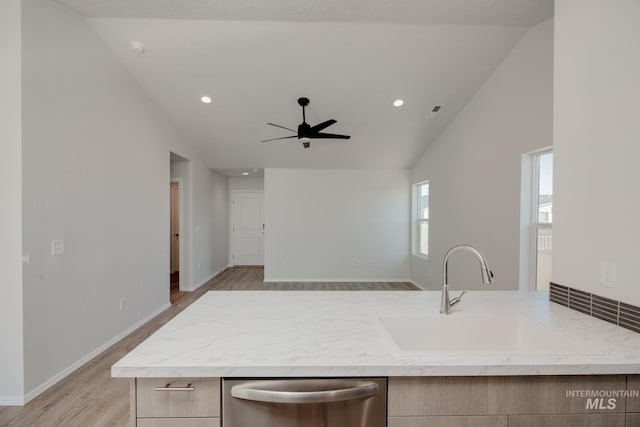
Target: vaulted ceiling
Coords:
[(352, 58)]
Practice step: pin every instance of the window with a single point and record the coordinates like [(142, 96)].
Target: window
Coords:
[(422, 219), (542, 217)]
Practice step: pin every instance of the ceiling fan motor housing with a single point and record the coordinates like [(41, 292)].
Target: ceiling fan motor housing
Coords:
[(306, 142)]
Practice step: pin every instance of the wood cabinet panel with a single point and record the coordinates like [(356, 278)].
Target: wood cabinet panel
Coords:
[(568, 420), (133, 405), (453, 421), (178, 422), (633, 385), (633, 420), (203, 401), (416, 396)]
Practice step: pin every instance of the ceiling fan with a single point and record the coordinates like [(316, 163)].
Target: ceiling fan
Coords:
[(306, 132)]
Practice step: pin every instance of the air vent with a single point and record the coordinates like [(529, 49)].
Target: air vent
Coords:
[(436, 109)]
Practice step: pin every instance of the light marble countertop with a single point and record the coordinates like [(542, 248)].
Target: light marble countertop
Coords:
[(325, 334)]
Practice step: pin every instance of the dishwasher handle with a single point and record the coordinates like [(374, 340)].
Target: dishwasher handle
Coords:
[(255, 391)]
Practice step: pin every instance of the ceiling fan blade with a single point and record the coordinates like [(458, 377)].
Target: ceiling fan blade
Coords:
[(282, 127), (323, 125), (328, 136), (284, 137)]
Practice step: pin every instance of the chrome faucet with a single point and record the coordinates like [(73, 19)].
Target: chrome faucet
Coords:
[(487, 277)]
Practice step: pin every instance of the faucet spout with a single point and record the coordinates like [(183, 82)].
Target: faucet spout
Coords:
[(487, 276)]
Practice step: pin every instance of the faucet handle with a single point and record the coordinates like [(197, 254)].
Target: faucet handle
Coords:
[(457, 299)]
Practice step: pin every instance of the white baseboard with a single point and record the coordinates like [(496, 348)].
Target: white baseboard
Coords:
[(417, 285), (211, 277), (65, 372), (306, 279), (12, 401)]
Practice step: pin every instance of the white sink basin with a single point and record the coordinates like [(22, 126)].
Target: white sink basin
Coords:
[(490, 335)]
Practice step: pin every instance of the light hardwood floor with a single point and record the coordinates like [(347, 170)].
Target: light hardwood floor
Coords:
[(90, 397)]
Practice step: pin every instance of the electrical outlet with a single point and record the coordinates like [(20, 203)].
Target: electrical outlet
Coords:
[(57, 247), (121, 304), (608, 274)]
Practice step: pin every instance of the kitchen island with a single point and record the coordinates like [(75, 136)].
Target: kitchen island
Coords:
[(339, 334)]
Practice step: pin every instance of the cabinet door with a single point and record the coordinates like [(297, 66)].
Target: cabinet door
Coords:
[(574, 420), (177, 397), (491, 421), (178, 422), (633, 385), (422, 396)]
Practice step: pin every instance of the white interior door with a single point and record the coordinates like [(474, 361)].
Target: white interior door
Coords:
[(248, 228)]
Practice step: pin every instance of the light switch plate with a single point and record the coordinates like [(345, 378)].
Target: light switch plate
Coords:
[(57, 247)]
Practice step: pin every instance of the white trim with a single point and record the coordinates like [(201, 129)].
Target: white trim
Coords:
[(416, 220), (211, 277), (417, 285), (370, 280), (12, 401), (79, 363), (529, 192)]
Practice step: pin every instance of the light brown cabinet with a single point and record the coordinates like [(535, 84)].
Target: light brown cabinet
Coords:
[(568, 420), (178, 422), (518, 401), (454, 421), (173, 402), (415, 396)]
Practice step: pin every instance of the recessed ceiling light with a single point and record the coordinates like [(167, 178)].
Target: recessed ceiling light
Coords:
[(205, 99), (398, 103), (245, 173)]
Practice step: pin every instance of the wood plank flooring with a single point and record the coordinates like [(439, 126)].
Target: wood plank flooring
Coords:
[(250, 279), (174, 288), (90, 397)]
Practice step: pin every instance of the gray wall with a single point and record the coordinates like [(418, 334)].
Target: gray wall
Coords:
[(11, 354), (96, 174), (336, 225), (597, 145), (474, 168)]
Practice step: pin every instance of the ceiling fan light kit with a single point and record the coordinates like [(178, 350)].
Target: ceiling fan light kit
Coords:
[(306, 132)]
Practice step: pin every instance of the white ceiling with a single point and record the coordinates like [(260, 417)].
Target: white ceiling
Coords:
[(352, 71)]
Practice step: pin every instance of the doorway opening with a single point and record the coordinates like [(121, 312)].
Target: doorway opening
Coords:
[(179, 228), (174, 240)]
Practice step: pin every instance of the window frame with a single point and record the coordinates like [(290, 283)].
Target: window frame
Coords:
[(536, 224), (419, 221)]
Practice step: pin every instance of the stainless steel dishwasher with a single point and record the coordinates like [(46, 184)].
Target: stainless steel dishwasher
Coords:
[(326, 402)]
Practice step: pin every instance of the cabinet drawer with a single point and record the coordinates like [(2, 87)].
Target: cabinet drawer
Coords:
[(585, 420), (481, 421), (178, 422), (178, 397)]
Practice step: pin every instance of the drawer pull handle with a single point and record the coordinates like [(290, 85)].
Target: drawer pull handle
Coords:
[(189, 387)]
